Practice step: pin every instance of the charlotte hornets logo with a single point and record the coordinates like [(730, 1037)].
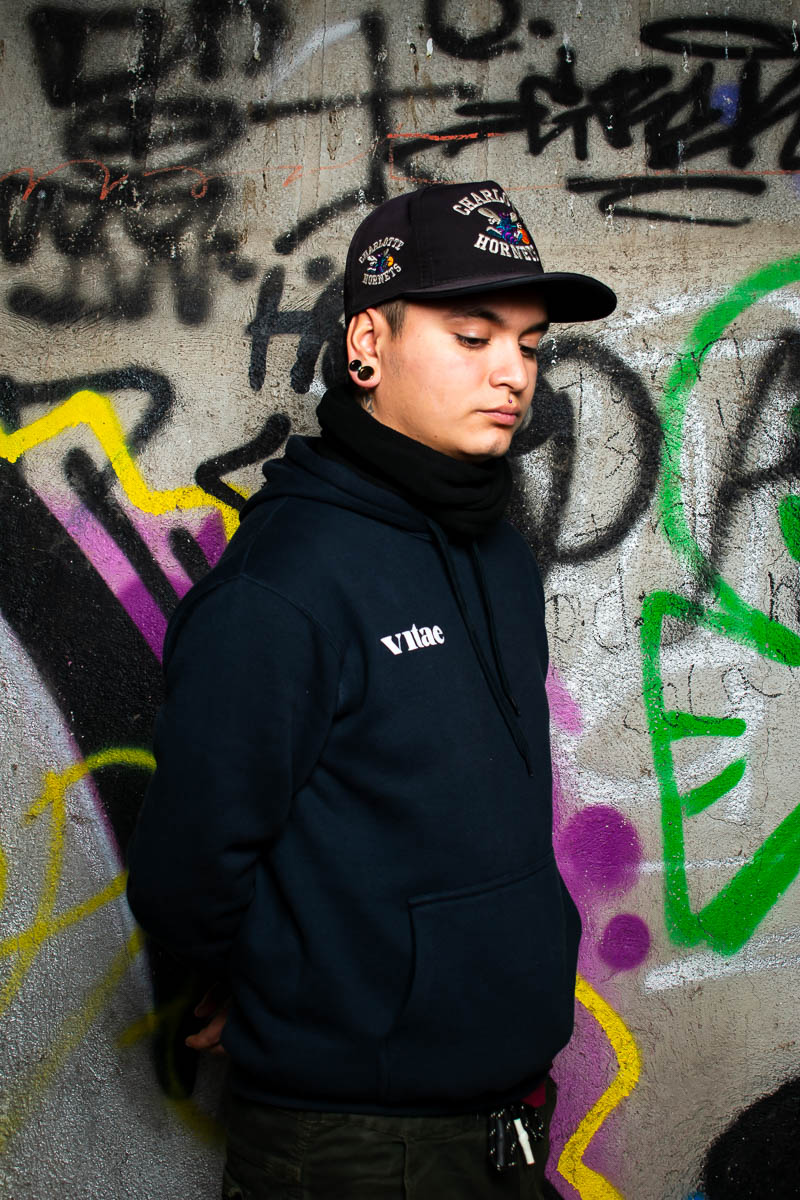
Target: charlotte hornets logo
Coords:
[(504, 234), (506, 226), (379, 261)]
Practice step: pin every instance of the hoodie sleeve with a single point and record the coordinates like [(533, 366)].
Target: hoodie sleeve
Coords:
[(251, 686)]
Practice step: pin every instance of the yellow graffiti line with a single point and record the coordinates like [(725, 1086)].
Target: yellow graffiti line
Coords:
[(57, 784), (201, 1124), (152, 1021), (46, 924), (18, 1107), (28, 943), (144, 1027), (97, 412), (36, 935), (589, 1184)]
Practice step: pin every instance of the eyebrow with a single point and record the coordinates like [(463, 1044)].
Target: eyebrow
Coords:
[(489, 314)]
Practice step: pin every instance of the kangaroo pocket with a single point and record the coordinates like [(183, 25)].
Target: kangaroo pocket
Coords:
[(491, 997)]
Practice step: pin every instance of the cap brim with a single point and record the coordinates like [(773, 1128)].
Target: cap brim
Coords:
[(567, 295)]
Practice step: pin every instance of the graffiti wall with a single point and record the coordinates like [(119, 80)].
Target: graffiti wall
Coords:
[(178, 185)]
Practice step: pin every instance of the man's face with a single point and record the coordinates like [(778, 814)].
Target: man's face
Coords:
[(460, 374)]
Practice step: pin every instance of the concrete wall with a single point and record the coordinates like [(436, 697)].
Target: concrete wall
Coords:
[(178, 184)]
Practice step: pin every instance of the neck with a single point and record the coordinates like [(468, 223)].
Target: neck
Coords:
[(466, 497)]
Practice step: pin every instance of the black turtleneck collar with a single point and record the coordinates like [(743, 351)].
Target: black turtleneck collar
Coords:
[(466, 498)]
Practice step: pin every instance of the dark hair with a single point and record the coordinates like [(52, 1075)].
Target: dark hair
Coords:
[(395, 313)]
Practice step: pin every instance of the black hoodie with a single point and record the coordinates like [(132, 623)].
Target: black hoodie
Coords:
[(351, 813)]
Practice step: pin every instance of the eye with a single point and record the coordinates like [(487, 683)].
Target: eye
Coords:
[(472, 342), (529, 352)]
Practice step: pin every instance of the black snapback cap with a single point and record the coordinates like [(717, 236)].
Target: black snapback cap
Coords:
[(450, 239)]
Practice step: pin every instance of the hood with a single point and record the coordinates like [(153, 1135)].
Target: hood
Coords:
[(307, 475)]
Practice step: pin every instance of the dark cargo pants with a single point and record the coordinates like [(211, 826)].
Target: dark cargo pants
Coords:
[(282, 1154)]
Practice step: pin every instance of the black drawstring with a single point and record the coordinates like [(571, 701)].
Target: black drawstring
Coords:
[(499, 688), (489, 611)]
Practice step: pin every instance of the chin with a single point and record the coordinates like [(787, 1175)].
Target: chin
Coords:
[(494, 447)]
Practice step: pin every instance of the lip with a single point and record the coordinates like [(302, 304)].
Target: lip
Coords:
[(504, 416)]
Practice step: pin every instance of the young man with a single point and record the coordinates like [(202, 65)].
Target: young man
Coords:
[(350, 821)]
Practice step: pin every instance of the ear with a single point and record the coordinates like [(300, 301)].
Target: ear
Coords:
[(362, 335)]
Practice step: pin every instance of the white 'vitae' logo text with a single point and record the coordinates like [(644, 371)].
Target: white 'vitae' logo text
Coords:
[(414, 639)]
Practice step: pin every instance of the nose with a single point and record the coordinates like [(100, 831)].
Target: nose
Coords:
[(511, 369)]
